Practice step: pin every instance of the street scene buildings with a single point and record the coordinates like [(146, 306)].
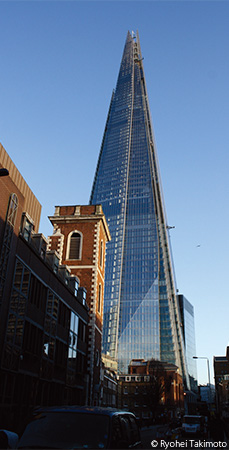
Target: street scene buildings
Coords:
[(91, 314)]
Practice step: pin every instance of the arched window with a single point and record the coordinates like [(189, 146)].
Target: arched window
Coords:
[(75, 246), (12, 209)]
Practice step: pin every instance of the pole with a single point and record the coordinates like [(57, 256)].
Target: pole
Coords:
[(209, 384)]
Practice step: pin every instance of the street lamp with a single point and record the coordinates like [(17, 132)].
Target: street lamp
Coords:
[(4, 172), (205, 357)]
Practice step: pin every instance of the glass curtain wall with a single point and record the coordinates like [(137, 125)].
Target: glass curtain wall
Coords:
[(141, 315)]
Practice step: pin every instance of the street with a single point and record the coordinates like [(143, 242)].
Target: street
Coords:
[(148, 434), (157, 435)]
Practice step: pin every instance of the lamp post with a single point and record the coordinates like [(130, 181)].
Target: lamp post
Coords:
[(205, 357)]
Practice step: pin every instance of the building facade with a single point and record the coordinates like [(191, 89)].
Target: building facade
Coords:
[(18, 203), (221, 373), (80, 236), (207, 393), (152, 390), (109, 388), (141, 312), (43, 312), (188, 327)]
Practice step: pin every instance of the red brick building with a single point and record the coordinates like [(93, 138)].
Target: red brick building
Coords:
[(80, 235), (43, 311), (151, 389), (19, 208)]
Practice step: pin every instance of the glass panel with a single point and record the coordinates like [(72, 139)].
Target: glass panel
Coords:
[(50, 302), (25, 283), (11, 328), (139, 274), (67, 430), (72, 323), (18, 276), (19, 332), (14, 301), (22, 306), (55, 307)]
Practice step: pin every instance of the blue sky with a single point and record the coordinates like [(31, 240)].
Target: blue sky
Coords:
[(59, 63)]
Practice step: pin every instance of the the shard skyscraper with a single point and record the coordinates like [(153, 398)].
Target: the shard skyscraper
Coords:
[(141, 313)]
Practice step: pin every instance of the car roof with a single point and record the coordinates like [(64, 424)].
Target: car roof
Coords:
[(82, 409), (192, 415)]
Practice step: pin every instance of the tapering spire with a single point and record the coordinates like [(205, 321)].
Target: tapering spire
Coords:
[(141, 314)]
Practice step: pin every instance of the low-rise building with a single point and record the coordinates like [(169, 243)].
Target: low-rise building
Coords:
[(151, 389), (221, 372), (49, 355)]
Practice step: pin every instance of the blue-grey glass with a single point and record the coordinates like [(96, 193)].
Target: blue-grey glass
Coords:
[(141, 317), (187, 312)]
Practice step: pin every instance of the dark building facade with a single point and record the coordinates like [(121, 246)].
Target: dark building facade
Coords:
[(43, 312), (221, 373), (109, 388), (141, 311)]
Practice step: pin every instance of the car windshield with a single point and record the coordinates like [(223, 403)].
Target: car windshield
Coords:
[(66, 430)]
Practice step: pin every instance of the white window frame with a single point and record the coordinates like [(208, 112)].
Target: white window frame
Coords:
[(101, 254), (100, 296)]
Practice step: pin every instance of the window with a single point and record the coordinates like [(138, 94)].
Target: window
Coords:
[(7, 238), (27, 226), (37, 293), (72, 347), (50, 325), (33, 339), (101, 254), (76, 287), (99, 298), (63, 315), (84, 295), (75, 243), (82, 331), (12, 209), (61, 354)]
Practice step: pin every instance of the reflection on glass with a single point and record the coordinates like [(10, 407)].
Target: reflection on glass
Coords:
[(18, 275), (66, 430), (26, 279), (46, 348), (140, 311), (74, 323)]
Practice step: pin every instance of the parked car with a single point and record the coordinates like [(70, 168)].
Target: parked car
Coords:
[(74, 427)]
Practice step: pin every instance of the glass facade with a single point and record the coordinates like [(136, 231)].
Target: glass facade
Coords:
[(141, 314), (187, 315), (37, 315)]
